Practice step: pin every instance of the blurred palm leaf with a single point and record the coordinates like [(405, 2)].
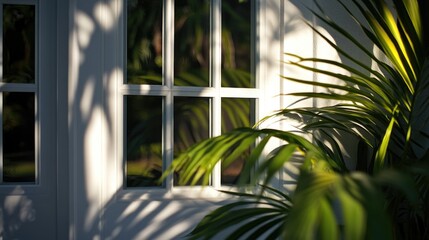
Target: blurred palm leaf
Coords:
[(262, 214), (384, 108)]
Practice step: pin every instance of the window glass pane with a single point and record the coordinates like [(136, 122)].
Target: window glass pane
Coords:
[(144, 140), (144, 42), (191, 123), (191, 43), (18, 137), (236, 44), (236, 112), (18, 43)]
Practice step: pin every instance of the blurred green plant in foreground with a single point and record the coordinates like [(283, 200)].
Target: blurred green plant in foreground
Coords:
[(385, 108)]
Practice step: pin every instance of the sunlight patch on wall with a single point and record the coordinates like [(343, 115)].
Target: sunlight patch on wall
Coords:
[(86, 102), (85, 28), (113, 171), (18, 210), (93, 167), (106, 14)]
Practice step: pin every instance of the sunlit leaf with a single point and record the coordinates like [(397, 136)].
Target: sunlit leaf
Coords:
[(380, 157)]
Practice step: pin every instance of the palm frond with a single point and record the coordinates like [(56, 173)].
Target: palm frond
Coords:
[(383, 107), (256, 215)]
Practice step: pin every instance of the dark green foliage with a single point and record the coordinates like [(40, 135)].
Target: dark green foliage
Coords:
[(386, 112)]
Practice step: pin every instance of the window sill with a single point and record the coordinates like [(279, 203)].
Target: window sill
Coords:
[(207, 193)]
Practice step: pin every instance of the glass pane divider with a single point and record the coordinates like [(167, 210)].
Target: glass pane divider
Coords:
[(216, 43), (37, 140), (144, 90), (168, 79), (254, 43), (168, 138), (1, 138), (203, 92), (18, 2), (240, 93), (1, 50), (122, 135), (164, 90), (1, 95), (216, 123), (216, 59), (168, 44), (18, 87)]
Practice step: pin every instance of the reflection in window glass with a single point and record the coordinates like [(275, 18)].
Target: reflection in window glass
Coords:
[(236, 44), (191, 43), (144, 42), (19, 137), (236, 112), (18, 43), (144, 140), (191, 123)]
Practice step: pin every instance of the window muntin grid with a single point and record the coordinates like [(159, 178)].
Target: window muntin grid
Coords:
[(208, 77)]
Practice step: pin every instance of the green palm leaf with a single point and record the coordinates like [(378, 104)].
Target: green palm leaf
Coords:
[(385, 109), (259, 213)]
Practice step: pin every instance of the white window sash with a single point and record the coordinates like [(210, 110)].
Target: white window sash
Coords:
[(168, 91)]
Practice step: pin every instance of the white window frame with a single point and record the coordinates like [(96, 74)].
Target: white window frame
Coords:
[(44, 87), (21, 88), (168, 91)]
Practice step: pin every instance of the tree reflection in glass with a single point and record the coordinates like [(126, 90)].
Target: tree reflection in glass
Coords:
[(191, 123), (236, 44), (143, 140), (18, 43), (18, 137), (192, 43), (144, 42), (236, 112)]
